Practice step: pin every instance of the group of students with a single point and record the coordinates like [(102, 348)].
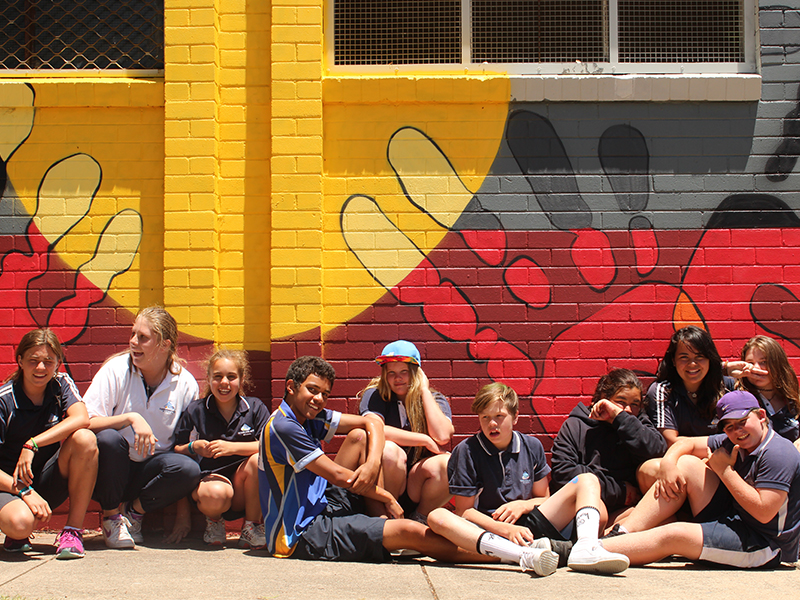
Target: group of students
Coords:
[(702, 466), (139, 440)]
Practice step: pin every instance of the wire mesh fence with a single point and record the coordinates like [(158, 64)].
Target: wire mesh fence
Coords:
[(82, 34)]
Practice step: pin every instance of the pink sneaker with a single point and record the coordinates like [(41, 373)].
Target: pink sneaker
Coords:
[(70, 544)]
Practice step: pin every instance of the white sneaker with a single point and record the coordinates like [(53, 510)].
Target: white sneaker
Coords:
[(134, 523), (115, 533), (589, 556), (253, 536), (541, 561), (215, 532)]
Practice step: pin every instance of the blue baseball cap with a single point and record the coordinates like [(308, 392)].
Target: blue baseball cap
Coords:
[(399, 351), (736, 405)]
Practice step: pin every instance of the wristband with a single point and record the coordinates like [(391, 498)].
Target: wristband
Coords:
[(31, 445), (191, 450), (25, 491)]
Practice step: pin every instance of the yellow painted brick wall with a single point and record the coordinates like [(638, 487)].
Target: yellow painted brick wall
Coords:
[(297, 57), (118, 126), (216, 203)]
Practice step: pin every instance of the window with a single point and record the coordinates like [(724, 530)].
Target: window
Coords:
[(546, 36), (82, 34)]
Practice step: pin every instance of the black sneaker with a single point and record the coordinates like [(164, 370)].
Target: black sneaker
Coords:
[(560, 547), (12, 545)]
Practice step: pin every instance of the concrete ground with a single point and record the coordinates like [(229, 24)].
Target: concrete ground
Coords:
[(194, 571)]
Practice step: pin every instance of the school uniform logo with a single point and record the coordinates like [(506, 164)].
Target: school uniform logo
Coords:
[(246, 430), (169, 408), (525, 477)]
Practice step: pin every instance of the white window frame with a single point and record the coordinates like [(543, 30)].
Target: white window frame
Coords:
[(612, 67)]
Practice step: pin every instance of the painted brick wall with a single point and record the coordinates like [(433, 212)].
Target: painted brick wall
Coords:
[(539, 240), (278, 206)]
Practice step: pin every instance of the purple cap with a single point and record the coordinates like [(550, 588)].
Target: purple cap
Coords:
[(736, 405)]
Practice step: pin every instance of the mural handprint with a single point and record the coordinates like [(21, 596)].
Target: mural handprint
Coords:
[(451, 299), (37, 286)]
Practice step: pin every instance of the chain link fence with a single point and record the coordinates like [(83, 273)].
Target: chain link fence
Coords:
[(68, 35)]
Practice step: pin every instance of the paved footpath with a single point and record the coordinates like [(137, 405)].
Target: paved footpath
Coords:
[(195, 572)]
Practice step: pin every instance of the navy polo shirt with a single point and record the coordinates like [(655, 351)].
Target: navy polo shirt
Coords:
[(774, 464), (477, 468), (21, 419), (393, 412), (202, 421)]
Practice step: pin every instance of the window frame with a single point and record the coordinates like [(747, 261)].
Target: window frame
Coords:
[(612, 67)]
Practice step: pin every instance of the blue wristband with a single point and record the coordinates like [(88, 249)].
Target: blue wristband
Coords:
[(191, 450)]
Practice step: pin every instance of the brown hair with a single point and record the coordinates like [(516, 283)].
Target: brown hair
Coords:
[(784, 378), (237, 357), (496, 391), (33, 339)]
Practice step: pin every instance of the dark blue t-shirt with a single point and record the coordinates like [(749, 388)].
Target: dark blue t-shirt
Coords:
[(477, 468), (21, 419)]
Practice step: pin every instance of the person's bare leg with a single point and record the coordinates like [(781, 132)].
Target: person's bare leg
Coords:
[(682, 539), (17, 520), (393, 469), (582, 491), (353, 451), (428, 485), (77, 462), (213, 496), (701, 483), (352, 454), (646, 474), (404, 533), (245, 490), (458, 530)]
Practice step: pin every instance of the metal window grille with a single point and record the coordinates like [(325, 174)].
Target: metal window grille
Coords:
[(519, 33), (82, 34), (370, 32), (541, 31), (686, 31)]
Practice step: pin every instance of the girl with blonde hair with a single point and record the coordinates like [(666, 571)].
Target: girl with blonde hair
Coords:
[(417, 424)]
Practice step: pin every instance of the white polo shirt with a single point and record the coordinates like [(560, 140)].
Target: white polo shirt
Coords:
[(118, 388)]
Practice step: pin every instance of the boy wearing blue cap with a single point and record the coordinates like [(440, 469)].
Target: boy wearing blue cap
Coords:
[(745, 499)]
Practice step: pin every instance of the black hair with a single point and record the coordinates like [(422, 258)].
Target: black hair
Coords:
[(712, 387), (304, 366)]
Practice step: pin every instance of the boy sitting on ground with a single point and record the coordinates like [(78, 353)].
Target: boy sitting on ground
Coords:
[(499, 480), (745, 499), (311, 503)]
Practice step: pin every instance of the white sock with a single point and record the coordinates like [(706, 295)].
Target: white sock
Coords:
[(587, 523), (494, 545)]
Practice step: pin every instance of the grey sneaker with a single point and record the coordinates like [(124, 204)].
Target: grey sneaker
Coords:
[(589, 556), (115, 533), (541, 561), (253, 536), (133, 521), (214, 534)]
